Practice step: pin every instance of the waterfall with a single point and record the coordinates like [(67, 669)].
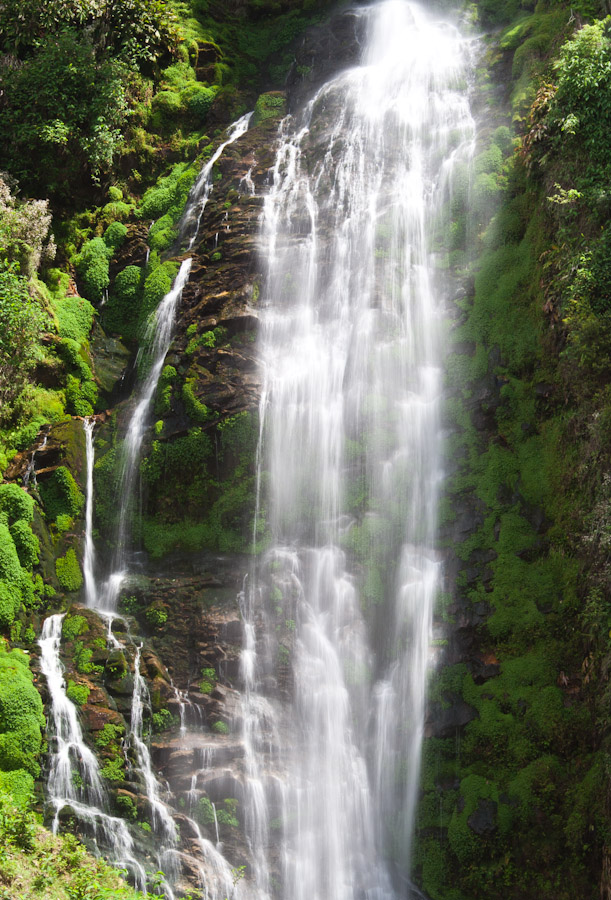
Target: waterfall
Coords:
[(157, 340), (85, 794), (74, 781), (338, 613), (89, 548), (200, 193)]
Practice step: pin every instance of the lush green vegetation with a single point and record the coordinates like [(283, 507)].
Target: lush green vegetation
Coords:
[(34, 863), (109, 111), (520, 809)]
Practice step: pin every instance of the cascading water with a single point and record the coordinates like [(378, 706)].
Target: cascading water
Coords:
[(74, 780), (88, 801), (338, 614), (157, 340), (89, 548)]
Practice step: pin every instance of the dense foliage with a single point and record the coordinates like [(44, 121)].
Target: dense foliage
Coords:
[(107, 105)]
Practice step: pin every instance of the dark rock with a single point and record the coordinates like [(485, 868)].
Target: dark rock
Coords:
[(443, 723), (323, 51), (483, 820)]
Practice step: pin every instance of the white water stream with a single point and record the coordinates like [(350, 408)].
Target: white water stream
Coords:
[(86, 795), (74, 782), (339, 613)]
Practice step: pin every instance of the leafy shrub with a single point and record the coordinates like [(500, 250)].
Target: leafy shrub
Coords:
[(115, 235), (24, 232), (86, 95), (22, 326), (581, 107), (228, 815), (208, 682), (68, 572), (156, 615), (126, 807), (220, 727), (113, 770), (162, 720)]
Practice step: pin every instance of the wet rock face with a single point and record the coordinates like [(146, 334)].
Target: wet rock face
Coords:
[(189, 663), (324, 51)]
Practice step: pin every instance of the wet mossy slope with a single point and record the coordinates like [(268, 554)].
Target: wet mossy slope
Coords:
[(516, 762)]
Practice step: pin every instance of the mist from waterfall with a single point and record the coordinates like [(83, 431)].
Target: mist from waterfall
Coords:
[(338, 614)]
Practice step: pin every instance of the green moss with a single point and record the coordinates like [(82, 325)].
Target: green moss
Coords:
[(68, 572), (162, 233), (156, 286), (18, 785), (196, 410), (21, 715), (81, 397), (220, 727), (92, 268), (61, 495), (11, 578), (115, 235), (110, 734), (74, 318), (26, 543), (78, 693), (64, 523), (122, 312), (73, 626), (164, 390), (268, 106), (16, 503)]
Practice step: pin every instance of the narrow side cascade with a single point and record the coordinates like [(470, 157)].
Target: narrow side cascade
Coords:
[(89, 802), (74, 780), (157, 340), (89, 548), (338, 614)]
